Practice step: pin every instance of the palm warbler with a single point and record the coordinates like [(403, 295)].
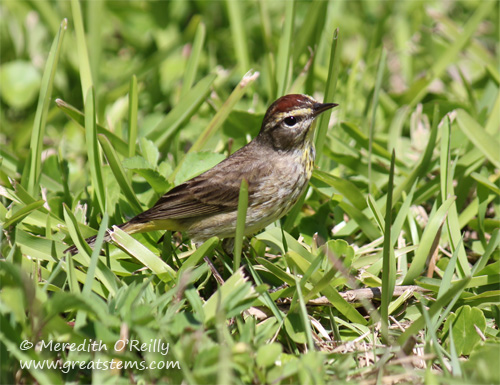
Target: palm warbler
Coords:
[(277, 165)]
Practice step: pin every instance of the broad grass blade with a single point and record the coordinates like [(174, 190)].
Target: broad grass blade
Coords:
[(143, 254)]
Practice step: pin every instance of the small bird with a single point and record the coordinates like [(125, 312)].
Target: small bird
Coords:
[(277, 166)]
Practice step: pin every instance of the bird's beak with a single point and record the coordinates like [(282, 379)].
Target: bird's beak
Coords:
[(321, 107)]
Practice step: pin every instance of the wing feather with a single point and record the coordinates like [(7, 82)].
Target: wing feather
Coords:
[(215, 191)]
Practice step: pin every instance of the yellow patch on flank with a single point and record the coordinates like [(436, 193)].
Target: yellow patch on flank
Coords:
[(163, 224)]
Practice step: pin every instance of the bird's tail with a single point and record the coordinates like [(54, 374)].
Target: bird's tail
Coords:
[(91, 240)]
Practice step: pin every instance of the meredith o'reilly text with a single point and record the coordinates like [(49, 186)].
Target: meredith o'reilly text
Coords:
[(90, 345)]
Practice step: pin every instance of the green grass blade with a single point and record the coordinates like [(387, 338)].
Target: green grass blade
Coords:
[(303, 315), (266, 31), (396, 129), (224, 111), (194, 59), (399, 301), (79, 118), (331, 87), (448, 273), (22, 213), (435, 308), (33, 166), (103, 272), (366, 224), (198, 255), (95, 23), (93, 152), (133, 101), (94, 258), (372, 205), (225, 374), (354, 132), (184, 109), (74, 231), (46, 10), (422, 253), (431, 330), (344, 187), (491, 126), (488, 144), (72, 273), (313, 268), (456, 370), (402, 215), (143, 254), (81, 45), (376, 92), (483, 56), (43, 377), (330, 292), (422, 168), (492, 246), (328, 279), (265, 297), (285, 46), (276, 271), (307, 33), (90, 274), (448, 56), (389, 263), (23, 196), (219, 117), (235, 294), (42, 248), (293, 213), (240, 224), (119, 173), (240, 41), (485, 182), (447, 190)]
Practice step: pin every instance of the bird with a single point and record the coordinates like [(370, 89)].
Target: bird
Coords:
[(277, 165)]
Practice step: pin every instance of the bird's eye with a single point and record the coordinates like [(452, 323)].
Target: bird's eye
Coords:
[(290, 121)]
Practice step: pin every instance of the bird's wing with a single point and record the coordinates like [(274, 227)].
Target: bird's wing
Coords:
[(195, 198), (215, 191)]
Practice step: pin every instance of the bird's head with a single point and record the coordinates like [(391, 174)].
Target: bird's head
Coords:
[(289, 119)]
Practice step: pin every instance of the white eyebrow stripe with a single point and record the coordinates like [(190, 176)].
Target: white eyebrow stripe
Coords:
[(298, 112)]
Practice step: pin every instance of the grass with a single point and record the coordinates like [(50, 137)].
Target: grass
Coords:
[(132, 98)]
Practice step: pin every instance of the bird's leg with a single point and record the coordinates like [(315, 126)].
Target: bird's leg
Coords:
[(214, 271)]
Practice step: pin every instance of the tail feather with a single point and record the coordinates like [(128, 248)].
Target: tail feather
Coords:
[(91, 240)]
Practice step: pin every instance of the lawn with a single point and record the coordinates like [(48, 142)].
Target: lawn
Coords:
[(386, 271)]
